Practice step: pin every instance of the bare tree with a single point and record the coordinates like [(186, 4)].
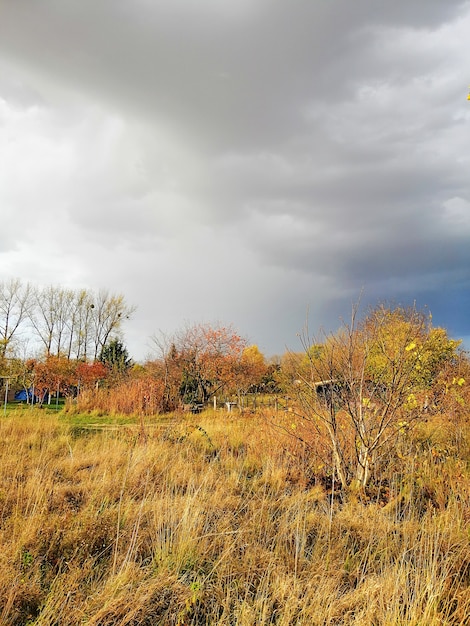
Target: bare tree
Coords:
[(108, 313), (76, 323), (65, 301), (80, 325), (15, 305), (44, 315)]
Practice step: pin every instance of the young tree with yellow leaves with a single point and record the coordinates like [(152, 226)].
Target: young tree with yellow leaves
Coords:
[(368, 381), (251, 371)]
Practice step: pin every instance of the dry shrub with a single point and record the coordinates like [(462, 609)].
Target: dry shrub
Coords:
[(132, 396)]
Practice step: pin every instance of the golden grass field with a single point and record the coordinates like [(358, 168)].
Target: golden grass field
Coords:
[(220, 520)]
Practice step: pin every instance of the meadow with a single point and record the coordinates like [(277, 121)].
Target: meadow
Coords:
[(221, 519)]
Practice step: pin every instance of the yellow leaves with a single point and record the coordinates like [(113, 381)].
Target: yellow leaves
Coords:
[(411, 402), (252, 366), (455, 389), (251, 354), (410, 346), (403, 427)]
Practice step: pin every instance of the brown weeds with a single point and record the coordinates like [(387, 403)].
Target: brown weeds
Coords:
[(223, 520)]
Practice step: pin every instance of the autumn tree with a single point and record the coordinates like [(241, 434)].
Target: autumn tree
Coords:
[(89, 374), (167, 367), (451, 390), (366, 381), (12, 371), (270, 382), (287, 368), (252, 369), (209, 358), (53, 375), (197, 362)]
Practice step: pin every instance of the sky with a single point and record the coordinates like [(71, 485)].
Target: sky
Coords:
[(257, 163)]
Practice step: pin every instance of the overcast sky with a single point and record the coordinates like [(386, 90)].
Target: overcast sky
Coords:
[(239, 161)]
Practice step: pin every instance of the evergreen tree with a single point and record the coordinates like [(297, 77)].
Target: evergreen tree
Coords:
[(116, 357)]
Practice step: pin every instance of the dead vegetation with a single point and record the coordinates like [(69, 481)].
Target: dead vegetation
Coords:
[(217, 520)]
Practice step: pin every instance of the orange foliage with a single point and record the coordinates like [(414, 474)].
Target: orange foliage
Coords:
[(88, 374), (143, 395), (209, 359), (54, 374)]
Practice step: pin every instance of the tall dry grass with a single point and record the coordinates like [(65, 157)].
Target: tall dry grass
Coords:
[(142, 395), (220, 520)]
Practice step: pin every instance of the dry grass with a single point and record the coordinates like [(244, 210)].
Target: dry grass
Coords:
[(220, 520), (133, 396)]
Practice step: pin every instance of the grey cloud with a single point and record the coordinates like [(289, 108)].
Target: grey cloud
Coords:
[(291, 152), (230, 79)]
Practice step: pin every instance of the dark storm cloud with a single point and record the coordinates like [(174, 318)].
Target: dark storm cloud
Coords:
[(302, 150)]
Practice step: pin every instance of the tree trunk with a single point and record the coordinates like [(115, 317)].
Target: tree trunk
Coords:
[(339, 463), (363, 466)]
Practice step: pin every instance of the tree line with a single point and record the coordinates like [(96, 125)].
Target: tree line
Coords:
[(73, 323), (68, 342)]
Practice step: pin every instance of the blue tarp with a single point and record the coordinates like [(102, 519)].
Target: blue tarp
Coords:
[(24, 395)]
